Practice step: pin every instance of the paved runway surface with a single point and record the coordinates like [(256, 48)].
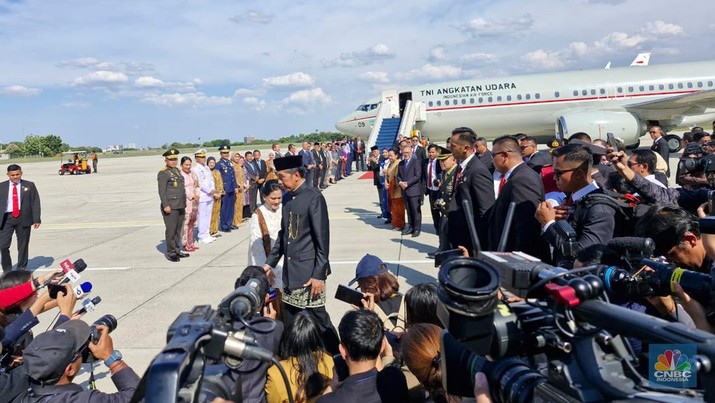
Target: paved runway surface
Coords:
[(112, 221)]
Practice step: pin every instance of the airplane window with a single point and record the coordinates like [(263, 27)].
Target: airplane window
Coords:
[(508, 97), (641, 88), (661, 87), (630, 89), (373, 106), (489, 99), (602, 91), (518, 97), (361, 108), (575, 93), (499, 98), (481, 100), (464, 101), (537, 96), (584, 92), (620, 90), (690, 85), (593, 92), (556, 94), (680, 85), (431, 103), (454, 102), (700, 84), (439, 103), (671, 86), (528, 96), (651, 87), (710, 83), (471, 100)]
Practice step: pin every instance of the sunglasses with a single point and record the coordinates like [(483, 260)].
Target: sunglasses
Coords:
[(558, 172)]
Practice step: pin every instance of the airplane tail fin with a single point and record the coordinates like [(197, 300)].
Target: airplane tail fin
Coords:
[(608, 66), (641, 60)]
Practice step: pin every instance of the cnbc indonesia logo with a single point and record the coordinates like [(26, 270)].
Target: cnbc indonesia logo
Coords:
[(672, 367)]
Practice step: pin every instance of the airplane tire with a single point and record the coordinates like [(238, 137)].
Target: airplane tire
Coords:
[(673, 142), (634, 146)]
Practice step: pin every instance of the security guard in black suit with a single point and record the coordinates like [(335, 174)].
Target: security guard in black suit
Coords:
[(173, 204), (303, 242)]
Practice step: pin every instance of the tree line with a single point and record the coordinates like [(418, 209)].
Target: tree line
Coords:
[(41, 146), (296, 139)]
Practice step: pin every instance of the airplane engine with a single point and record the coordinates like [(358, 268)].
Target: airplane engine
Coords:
[(597, 123)]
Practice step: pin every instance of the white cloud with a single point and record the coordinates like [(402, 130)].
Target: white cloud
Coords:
[(542, 59), (437, 54), (19, 90), (298, 79), (255, 103), (478, 58), (481, 27), (194, 100), (619, 41), (379, 77), (663, 29), (432, 72), (377, 53), (579, 48), (146, 81), (247, 92), (252, 16), (99, 78), (314, 96)]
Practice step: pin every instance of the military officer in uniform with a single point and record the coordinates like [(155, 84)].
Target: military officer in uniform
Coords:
[(206, 198), (303, 243), (173, 203), (447, 178), (230, 187)]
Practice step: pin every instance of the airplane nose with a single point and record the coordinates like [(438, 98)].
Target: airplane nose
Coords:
[(342, 124)]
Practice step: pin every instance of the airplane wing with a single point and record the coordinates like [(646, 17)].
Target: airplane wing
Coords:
[(686, 104)]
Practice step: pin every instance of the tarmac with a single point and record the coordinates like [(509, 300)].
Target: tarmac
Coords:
[(112, 220)]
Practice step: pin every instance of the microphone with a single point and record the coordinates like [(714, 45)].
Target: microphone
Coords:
[(633, 247), (88, 305), (82, 289), (72, 270)]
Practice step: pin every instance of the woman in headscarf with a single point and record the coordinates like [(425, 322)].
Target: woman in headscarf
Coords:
[(191, 186), (216, 212), (238, 170)]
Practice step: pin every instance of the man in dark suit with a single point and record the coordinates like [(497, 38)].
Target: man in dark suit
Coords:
[(520, 185), (359, 154), (475, 184), (409, 175), (304, 243), (21, 211), (308, 163), (373, 165), (534, 158), (319, 164), (484, 154), (660, 145), (261, 168), (590, 212), (431, 178), (252, 172), (419, 152)]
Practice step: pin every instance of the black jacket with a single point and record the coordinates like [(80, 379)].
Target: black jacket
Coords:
[(476, 185), (661, 147), (304, 238), (525, 188), (388, 385), (412, 174), (29, 202), (538, 160)]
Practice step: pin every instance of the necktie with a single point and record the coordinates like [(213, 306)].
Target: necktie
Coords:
[(502, 182), (569, 201), (15, 201), (459, 173), (429, 174)]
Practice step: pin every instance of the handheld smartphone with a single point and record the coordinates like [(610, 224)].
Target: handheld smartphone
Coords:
[(347, 294), (441, 257), (55, 289), (272, 295), (611, 141)]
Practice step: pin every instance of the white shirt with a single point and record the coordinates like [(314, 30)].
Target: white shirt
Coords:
[(464, 163), (206, 182), (651, 178), (9, 196), (432, 167), (576, 196), (497, 178), (256, 253)]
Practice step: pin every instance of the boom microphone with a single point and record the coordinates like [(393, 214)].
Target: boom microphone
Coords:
[(633, 249)]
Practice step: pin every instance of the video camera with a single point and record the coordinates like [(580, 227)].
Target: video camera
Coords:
[(567, 345), (702, 162), (203, 336)]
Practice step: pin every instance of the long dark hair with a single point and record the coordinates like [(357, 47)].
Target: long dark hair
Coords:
[(421, 305), (301, 340)]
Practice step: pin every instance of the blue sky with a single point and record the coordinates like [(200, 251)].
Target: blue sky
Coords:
[(152, 72)]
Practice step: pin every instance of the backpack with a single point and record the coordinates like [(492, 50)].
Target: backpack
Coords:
[(628, 209)]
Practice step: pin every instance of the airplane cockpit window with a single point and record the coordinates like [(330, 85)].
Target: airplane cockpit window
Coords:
[(363, 108), (556, 94), (374, 106)]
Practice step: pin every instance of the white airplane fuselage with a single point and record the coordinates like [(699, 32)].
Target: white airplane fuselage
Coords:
[(542, 105)]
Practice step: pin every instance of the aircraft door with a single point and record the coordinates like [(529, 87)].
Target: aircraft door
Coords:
[(404, 97)]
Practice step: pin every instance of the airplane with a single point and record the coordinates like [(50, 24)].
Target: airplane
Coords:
[(624, 101), (640, 60)]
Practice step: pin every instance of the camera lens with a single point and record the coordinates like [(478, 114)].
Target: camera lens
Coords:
[(107, 320), (468, 295)]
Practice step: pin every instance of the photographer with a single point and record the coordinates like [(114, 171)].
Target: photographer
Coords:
[(691, 180), (54, 358)]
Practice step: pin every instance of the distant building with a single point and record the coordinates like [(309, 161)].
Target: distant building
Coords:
[(249, 139), (131, 145)]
